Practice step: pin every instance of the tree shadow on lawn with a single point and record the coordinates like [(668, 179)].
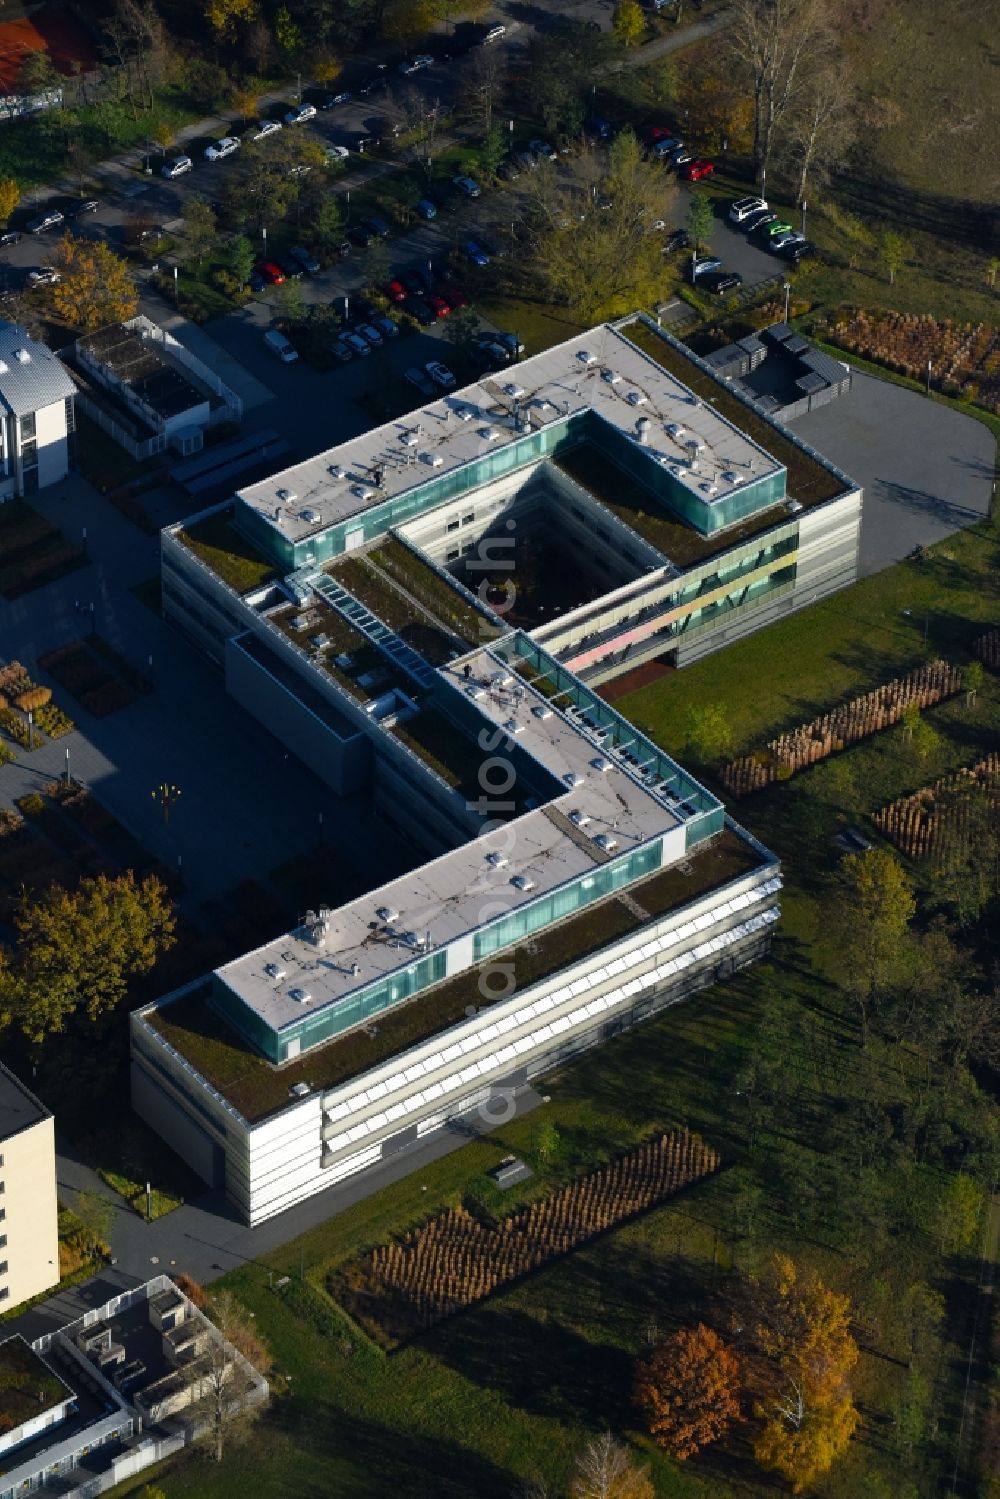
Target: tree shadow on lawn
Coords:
[(403, 1462)]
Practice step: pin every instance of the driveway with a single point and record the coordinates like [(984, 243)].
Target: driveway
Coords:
[(926, 470)]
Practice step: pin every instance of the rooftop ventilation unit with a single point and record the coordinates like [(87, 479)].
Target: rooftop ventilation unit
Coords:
[(300, 996), (793, 507), (523, 882), (611, 377), (586, 358), (542, 710), (601, 765), (636, 398), (464, 413), (489, 434), (707, 487), (362, 492), (22, 356), (311, 515), (572, 779), (337, 471), (434, 460), (410, 439), (514, 391), (544, 404), (386, 913), (676, 430), (414, 939), (274, 971), (300, 1090), (513, 727), (642, 430), (578, 819), (287, 496), (501, 679), (497, 860), (730, 475), (605, 841)]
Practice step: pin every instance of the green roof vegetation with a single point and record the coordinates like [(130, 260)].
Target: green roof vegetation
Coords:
[(410, 622), (809, 482), (644, 512), (230, 554), (343, 640), (27, 1385), (431, 590), (257, 1088)]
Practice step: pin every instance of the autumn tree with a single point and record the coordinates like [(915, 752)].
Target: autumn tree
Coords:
[(689, 1389), (708, 733), (10, 196), (822, 125), (230, 1391), (78, 949), (776, 42), (95, 286), (406, 21), (700, 219), (870, 919), (798, 1344), (201, 227), (605, 1470), (893, 252), (226, 17), (628, 22)]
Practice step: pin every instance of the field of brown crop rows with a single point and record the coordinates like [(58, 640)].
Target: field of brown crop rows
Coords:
[(964, 357)]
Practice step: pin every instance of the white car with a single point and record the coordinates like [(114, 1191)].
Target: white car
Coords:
[(300, 114), (494, 34), (441, 375), (279, 345), (542, 148), (744, 207), (416, 64), (467, 186), (263, 129), (336, 153), (220, 149), (51, 219), (788, 237), (176, 166), (46, 275)]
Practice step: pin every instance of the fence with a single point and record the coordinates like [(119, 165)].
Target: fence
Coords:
[(987, 648), (788, 753)]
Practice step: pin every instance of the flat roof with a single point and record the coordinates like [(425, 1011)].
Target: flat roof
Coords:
[(447, 897), (600, 371), (27, 1385), (19, 1108)]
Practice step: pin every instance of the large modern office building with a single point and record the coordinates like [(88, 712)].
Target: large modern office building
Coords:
[(426, 611)]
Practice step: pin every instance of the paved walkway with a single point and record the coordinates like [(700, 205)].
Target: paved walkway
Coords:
[(204, 1239)]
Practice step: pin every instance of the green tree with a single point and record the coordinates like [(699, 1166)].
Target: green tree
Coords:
[(492, 151), (326, 229), (700, 219), (375, 263), (10, 196), (956, 1214), (873, 905), (972, 676), (290, 304), (708, 734), (240, 256), (288, 32), (78, 949), (628, 22), (924, 1310), (201, 228), (547, 1141), (226, 17), (893, 252), (37, 75)]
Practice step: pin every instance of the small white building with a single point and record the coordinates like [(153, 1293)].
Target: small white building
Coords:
[(36, 414)]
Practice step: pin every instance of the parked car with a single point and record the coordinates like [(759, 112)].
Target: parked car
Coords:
[(509, 170), (176, 166), (356, 343), (679, 240), (335, 154), (798, 250), (416, 64), (785, 237), (680, 157), (369, 333), (664, 148), (492, 355), (419, 380), (703, 263), (476, 253), (340, 350), (767, 232), (440, 374), (438, 304), (300, 114), (270, 273), (330, 101), (758, 220), (653, 133), (526, 161), (454, 296), (467, 185), (263, 128), (361, 235), (599, 128), (12, 237), (719, 282), (422, 311), (396, 291), (378, 225), (694, 171), (495, 34), (415, 282), (386, 326), (80, 210), (280, 346), (227, 145), (426, 209), (345, 249), (306, 259), (511, 343), (745, 208), (45, 275), (495, 248), (289, 268), (51, 218), (542, 150)]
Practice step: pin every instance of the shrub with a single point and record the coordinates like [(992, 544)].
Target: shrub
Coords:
[(36, 697)]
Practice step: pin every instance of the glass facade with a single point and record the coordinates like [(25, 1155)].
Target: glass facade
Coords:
[(569, 898)]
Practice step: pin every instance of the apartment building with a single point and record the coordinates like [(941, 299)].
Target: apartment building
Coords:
[(29, 1230)]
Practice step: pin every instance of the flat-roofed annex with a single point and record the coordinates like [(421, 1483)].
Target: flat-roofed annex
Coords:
[(293, 977), (599, 371)]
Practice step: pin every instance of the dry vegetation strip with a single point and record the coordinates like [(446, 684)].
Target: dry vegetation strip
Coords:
[(845, 725), (397, 1290), (964, 357)]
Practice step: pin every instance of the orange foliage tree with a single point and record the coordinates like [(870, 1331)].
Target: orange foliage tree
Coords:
[(689, 1389), (95, 286), (802, 1352)]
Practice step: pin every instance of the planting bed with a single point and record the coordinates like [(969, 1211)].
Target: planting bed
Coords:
[(33, 551), (91, 681), (377, 593), (964, 357)]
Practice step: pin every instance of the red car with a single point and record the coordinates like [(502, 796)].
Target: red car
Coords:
[(455, 296), (396, 291), (440, 306), (693, 171), (270, 272), (656, 133)]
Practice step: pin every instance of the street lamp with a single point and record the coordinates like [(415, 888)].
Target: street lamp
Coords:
[(763, 181), (929, 377), (788, 291), (348, 205), (177, 294), (263, 231), (805, 205), (167, 795)]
